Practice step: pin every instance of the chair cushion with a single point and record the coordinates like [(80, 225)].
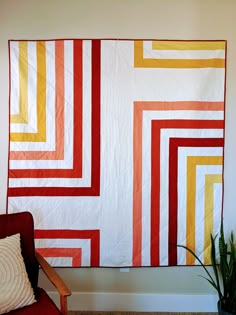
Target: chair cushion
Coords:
[(43, 306), (16, 290)]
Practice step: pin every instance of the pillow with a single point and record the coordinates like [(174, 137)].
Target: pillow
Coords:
[(15, 287)]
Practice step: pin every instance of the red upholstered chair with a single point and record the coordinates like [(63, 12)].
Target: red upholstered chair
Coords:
[(22, 223)]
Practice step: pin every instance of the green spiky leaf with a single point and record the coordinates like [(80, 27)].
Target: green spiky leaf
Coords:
[(224, 271)]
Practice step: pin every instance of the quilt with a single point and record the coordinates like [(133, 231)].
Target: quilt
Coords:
[(116, 148)]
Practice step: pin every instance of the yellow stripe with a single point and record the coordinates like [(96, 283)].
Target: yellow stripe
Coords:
[(39, 136), (140, 62), (210, 180), (192, 162), (187, 45), (41, 89), (22, 117)]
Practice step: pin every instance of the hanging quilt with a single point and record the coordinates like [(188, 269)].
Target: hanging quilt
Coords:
[(116, 148)]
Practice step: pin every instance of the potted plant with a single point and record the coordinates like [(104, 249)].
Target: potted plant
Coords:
[(224, 271)]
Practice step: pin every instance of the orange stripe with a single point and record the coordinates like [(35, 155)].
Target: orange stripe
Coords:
[(74, 253), (139, 107), (137, 186), (58, 154), (179, 105), (60, 99)]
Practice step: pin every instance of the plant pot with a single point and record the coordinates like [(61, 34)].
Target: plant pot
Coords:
[(221, 311)]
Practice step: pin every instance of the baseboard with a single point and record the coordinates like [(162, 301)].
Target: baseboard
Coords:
[(140, 302)]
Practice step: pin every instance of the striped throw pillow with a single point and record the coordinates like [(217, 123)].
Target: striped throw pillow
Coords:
[(15, 287)]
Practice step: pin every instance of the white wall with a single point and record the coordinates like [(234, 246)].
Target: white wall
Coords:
[(159, 19)]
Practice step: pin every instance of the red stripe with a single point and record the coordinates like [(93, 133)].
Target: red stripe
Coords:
[(174, 144), (76, 171), (157, 125), (93, 235), (155, 196), (94, 190), (9, 120), (96, 79), (78, 105)]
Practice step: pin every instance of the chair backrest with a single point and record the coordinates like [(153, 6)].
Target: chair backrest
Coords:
[(22, 223)]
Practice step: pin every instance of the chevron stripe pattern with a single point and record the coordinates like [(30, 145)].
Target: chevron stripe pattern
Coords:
[(116, 147)]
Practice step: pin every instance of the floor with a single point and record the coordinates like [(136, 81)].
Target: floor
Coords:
[(132, 313)]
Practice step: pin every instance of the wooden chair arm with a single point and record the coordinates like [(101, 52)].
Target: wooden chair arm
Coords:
[(56, 280)]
